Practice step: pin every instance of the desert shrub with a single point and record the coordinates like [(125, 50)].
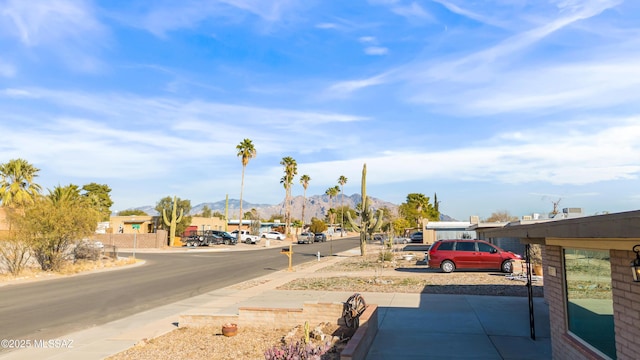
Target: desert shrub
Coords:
[(297, 351), (14, 255), (85, 251), (385, 255)]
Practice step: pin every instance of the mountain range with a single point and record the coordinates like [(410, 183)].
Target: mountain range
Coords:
[(316, 206)]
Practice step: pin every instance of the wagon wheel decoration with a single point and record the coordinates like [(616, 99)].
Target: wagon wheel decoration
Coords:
[(353, 308)]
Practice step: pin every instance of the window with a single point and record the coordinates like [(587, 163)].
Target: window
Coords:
[(447, 245), (466, 246), (482, 247), (589, 298)]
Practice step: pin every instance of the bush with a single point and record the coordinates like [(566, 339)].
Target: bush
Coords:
[(297, 351), (85, 251), (385, 255)]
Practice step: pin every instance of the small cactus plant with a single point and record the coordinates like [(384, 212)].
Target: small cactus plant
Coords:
[(370, 222), (171, 223)]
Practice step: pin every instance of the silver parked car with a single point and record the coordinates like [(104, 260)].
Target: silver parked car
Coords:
[(306, 238)]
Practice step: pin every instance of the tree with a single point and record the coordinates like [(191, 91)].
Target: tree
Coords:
[(317, 226), (290, 171), (416, 208), (331, 192), (53, 223), (206, 212), (304, 181), (501, 216), (246, 152), (342, 180), (132, 212), (98, 195), (17, 186), (166, 204)]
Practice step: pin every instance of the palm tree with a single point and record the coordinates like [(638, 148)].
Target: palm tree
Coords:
[(342, 180), (331, 192), (66, 194), (290, 171), (304, 180), (246, 152), (16, 183)]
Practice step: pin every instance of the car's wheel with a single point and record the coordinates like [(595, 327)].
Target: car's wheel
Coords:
[(507, 266), (405, 241), (264, 237), (226, 242), (447, 266), (278, 238)]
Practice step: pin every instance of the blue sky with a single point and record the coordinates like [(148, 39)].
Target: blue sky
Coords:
[(493, 105)]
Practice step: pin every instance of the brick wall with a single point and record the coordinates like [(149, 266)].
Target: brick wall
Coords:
[(626, 308), (626, 305)]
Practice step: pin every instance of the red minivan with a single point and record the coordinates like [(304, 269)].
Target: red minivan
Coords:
[(449, 255)]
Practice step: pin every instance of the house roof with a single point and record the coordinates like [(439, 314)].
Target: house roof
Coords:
[(612, 231)]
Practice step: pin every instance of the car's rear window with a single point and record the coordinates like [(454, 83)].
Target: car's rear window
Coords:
[(466, 246), (446, 245)]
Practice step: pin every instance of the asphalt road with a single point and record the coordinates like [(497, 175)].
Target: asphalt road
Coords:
[(52, 308)]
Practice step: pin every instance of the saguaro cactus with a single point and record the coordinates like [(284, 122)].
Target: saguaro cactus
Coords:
[(171, 223), (370, 222)]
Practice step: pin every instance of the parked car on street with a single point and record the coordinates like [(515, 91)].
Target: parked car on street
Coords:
[(381, 238), (416, 237), (276, 235), (227, 238), (320, 237), (306, 238), (449, 255), (246, 237)]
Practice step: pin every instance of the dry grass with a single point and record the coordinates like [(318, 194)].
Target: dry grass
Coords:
[(69, 268)]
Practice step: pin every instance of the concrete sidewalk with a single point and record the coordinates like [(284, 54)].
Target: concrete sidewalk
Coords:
[(411, 326)]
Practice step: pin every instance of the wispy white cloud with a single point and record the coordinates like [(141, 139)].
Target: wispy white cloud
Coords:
[(413, 11), (165, 17), (449, 5), (344, 88), (67, 28), (376, 50)]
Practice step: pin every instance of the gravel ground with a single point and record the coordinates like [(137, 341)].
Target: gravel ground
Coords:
[(250, 343), (357, 274)]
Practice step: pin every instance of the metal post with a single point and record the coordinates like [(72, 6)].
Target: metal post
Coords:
[(134, 243), (330, 244), (532, 326)]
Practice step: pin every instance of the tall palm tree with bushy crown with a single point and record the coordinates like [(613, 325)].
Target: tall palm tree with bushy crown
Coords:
[(246, 152), (342, 180), (290, 171), (331, 192), (17, 186), (304, 181)]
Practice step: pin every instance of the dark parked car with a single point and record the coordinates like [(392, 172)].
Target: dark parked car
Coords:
[(449, 255), (416, 237), (306, 238), (227, 238), (320, 237)]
